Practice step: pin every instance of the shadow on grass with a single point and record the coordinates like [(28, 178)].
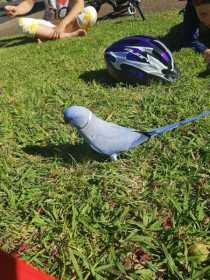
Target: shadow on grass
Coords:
[(205, 73), (173, 39), (99, 76), (16, 41), (67, 153), (102, 77)]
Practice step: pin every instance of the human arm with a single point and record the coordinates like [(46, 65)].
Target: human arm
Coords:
[(77, 7), (21, 9)]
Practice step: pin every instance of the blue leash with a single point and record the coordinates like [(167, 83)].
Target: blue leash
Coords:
[(169, 127)]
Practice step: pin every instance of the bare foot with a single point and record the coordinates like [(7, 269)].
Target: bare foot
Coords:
[(78, 32), (81, 32)]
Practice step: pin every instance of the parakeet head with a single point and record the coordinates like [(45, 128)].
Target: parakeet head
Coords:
[(77, 116)]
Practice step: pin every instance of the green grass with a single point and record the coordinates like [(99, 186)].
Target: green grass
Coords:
[(77, 215)]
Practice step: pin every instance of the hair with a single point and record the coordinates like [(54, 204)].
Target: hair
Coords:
[(200, 2)]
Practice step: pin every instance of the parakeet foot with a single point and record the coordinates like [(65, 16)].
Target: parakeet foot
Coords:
[(113, 157)]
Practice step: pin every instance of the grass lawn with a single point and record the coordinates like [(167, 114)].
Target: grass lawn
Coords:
[(77, 215)]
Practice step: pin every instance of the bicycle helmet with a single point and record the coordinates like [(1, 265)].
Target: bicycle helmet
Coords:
[(139, 58)]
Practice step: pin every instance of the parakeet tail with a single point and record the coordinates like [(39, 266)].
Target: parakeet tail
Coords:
[(169, 127)]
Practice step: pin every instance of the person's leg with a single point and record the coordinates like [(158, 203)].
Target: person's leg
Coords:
[(36, 27), (46, 33), (44, 30), (73, 30)]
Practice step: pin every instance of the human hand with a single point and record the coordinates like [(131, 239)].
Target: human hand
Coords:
[(206, 55), (11, 11), (60, 28)]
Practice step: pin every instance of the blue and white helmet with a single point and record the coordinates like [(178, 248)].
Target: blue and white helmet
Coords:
[(138, 58)]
